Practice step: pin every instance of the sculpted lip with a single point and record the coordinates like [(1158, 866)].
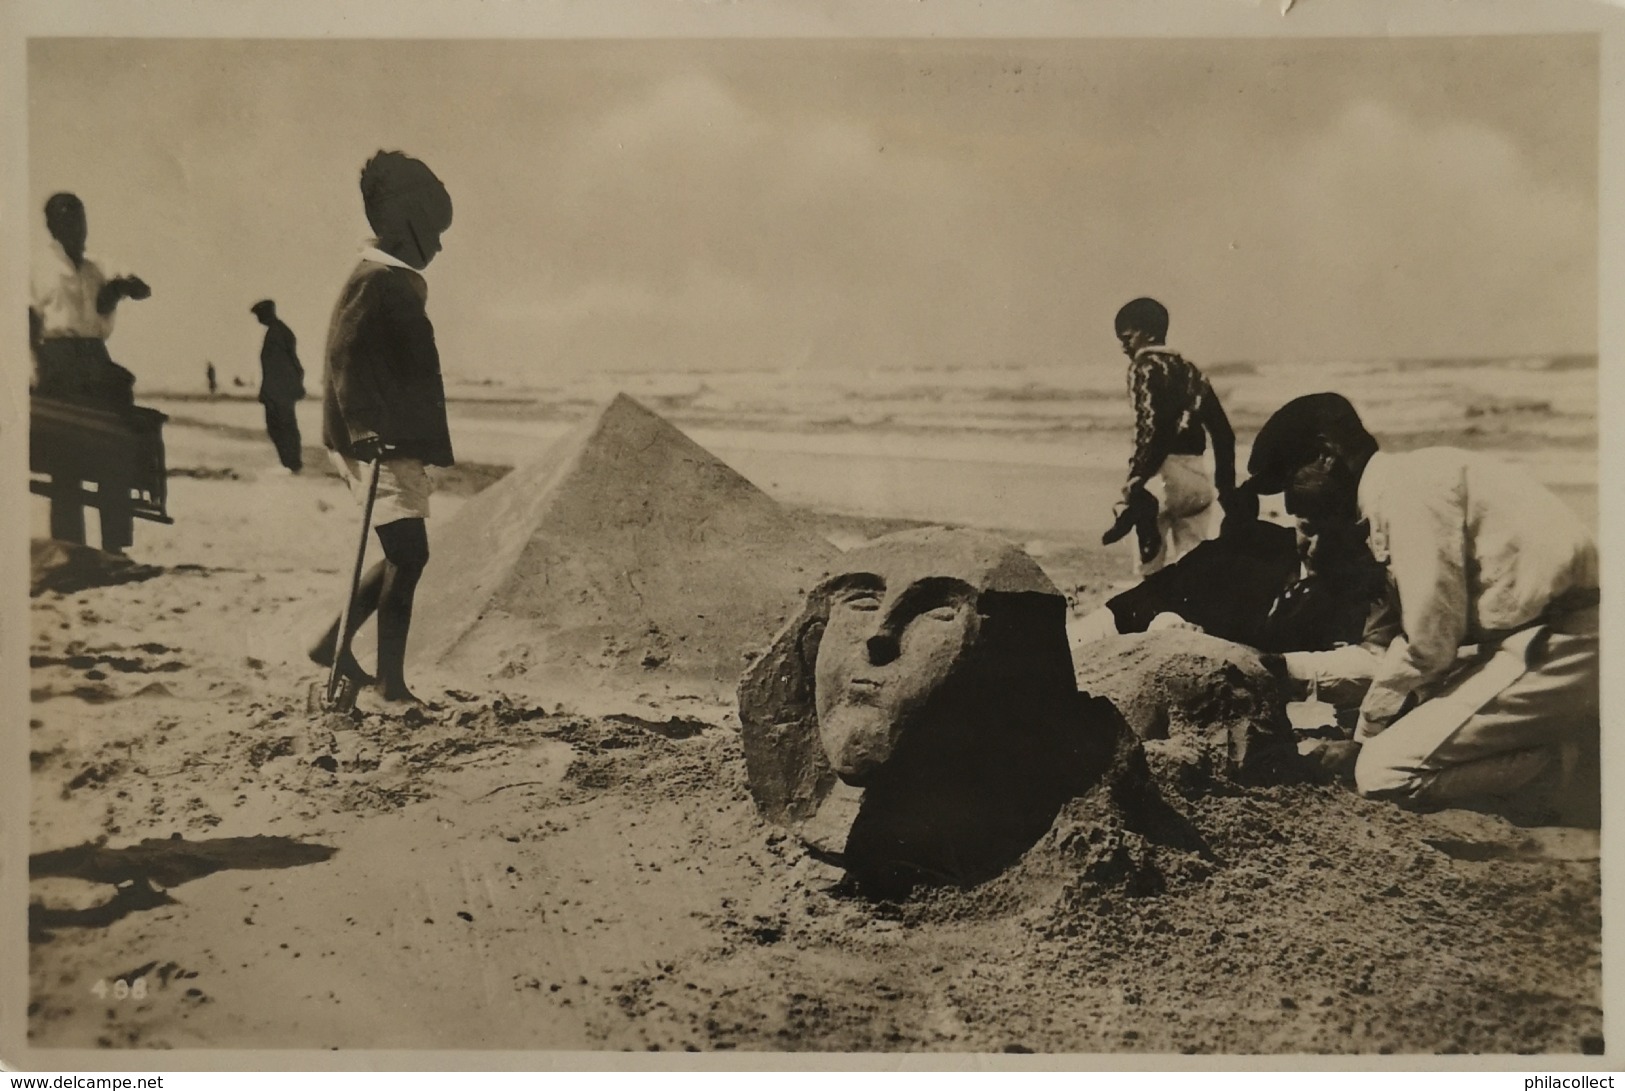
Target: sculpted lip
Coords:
[(862, 691)]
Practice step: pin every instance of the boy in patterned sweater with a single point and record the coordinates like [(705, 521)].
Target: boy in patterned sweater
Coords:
[(1169, 494)]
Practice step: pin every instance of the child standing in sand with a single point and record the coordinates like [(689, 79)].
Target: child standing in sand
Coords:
[(1175, 412), (385, 402)]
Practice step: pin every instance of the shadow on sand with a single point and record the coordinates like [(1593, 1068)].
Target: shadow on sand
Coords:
[(141, 874)]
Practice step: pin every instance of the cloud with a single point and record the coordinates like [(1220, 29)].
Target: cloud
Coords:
[(1441, 234), (705, 295), (745, 235), (734, 204), (692, 227)]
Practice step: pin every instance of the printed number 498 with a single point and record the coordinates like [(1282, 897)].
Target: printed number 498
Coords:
[(121, 989)]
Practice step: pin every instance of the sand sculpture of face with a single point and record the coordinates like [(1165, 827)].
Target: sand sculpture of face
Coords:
[(887, 646), (931, 670)]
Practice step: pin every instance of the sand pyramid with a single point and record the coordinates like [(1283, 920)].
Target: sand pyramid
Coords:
[(627, 548)]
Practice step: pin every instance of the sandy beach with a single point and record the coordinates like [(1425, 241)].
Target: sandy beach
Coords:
[(580, 866)]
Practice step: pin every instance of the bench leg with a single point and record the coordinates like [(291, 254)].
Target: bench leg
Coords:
[(67, 513), (118, 520)]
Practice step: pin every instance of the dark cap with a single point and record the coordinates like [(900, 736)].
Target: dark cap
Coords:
[(1144, 314), (1295, 434), (263, 306)]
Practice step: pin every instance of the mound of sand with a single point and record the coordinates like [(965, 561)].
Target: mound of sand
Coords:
[(65, 567), (1205, 707), (626, 548)]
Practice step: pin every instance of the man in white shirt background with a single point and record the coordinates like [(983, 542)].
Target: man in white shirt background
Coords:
[(70, 316), (1490, 687), (71, 312)]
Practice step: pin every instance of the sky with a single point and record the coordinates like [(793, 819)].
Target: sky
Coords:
[(807, 204)]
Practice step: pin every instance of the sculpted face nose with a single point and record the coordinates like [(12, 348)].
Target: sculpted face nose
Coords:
[(882, 648)]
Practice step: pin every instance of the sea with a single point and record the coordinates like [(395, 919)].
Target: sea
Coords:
[(1023, 448)]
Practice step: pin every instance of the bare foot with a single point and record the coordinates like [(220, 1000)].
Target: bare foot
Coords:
[(321, 653), (380, 702)]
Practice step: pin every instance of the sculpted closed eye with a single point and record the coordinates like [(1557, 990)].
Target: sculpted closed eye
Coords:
[(858, 599), (942, 613)]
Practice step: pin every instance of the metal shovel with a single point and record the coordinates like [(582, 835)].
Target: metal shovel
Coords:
[(339, 694)]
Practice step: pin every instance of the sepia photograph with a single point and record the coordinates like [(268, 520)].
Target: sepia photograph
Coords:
[(953, 543)]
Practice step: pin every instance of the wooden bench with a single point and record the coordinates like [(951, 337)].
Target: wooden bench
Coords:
[(120, 451)]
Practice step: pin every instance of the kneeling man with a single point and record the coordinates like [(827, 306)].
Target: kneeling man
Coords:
[(1494, 673)]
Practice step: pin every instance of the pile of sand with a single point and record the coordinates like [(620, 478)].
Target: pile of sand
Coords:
[(626, 549), (65, 567), (1205, 707)]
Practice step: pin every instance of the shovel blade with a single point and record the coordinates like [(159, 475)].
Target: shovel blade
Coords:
[(318, 700)]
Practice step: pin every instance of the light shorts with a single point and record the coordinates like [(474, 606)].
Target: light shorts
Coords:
[(403, 487)]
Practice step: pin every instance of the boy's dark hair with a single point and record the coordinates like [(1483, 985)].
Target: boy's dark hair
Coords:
[(59, 206), (58, 203), (264, 307), (1144, 314), (391, 180)]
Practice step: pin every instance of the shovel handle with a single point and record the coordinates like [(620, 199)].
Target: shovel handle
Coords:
[(355, 584)]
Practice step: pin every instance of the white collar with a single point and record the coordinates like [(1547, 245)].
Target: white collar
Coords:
[(1164, 349), (1370, 487), (370, 252)]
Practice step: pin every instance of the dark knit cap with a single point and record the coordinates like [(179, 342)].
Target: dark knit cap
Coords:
[(1295, 434)]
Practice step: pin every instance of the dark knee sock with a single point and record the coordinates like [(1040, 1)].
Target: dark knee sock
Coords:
[(406, 552)]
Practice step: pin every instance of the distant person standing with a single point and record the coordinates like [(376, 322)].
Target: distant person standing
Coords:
[(1175, 413), (385, 402), (214, 383), (70, 315), (282, 385)]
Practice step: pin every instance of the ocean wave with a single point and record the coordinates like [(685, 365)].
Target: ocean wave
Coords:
[(1561, 362)]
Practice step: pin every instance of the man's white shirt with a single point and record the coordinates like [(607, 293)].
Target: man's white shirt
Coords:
[(64, 296)]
